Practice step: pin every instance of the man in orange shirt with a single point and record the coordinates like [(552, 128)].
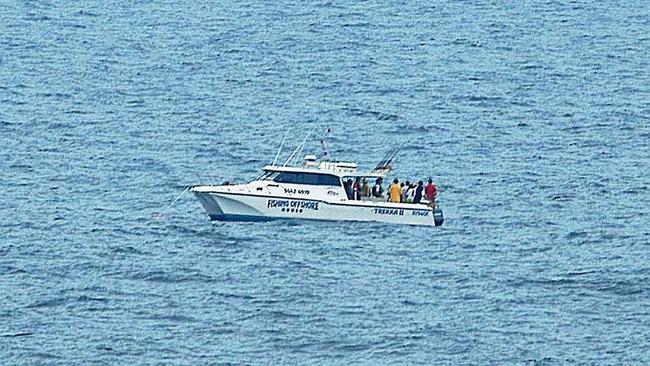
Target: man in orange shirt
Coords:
[(394, 192)]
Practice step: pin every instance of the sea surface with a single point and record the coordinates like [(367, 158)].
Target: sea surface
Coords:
[(533, 118)]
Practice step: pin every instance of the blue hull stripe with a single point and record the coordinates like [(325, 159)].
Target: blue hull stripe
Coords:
[(241, 218)]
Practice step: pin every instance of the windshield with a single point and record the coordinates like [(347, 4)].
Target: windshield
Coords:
[(268, 175)]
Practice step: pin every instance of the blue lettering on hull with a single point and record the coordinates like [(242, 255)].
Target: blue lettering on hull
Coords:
[(284, 205), (389, 211)]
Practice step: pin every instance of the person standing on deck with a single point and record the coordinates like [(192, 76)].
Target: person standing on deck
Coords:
[(405, 188), (410, 193), (356, 189), (365, 188), (377, 190), (395, 192), (430, 192), (348, 188), (418, 192)]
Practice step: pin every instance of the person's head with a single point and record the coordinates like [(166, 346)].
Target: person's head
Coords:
[(420, 183), (364, 181), (395, 181), (357, 179), (412, 185), (430, 181), (408, 183)]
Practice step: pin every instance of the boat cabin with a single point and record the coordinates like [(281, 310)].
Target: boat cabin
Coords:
[(326, 178), (320, 178)]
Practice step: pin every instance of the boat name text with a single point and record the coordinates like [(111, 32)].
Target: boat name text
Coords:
[(305, 205), (398, 212), (389, 211)]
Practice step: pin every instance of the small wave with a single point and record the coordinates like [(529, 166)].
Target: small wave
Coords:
[(623, 289), (166, 277), (235, 296), (581, 273), (614, 236), (412, 303), (374, 114), (48, 303), (481, 98), (12, 270), (86, 13), (531, 67), (635, 190), (33, 17), (561, 198), (576, 234), (135, 103), (86, 298), (519, 282), (174, 318), (76, 111), (358, 25), (126, 250), (21, 334), (20, 166), (279, 314)]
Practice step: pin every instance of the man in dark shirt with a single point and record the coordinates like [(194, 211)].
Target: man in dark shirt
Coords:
[(348, 188), (356, 189), (377, 190), (418, 192)]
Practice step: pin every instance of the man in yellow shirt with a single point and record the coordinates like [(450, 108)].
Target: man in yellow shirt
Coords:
[(394, 192)]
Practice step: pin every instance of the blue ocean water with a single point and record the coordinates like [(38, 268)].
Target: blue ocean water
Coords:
[(532, 117)]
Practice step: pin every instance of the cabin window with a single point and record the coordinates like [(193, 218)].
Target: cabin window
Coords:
[(308, 178)]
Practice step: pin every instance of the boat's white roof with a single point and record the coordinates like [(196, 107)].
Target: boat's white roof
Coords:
[(337, 169)]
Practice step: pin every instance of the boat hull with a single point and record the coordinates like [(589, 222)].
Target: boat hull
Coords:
[(225, 205)]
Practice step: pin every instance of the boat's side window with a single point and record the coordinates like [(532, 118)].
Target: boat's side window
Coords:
[(308, 178), (328, 180)]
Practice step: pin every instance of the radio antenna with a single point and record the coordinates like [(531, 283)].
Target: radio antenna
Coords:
[(323, 143), (280, 149)]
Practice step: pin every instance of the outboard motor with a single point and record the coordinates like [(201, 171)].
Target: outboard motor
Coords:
[(437, 217)]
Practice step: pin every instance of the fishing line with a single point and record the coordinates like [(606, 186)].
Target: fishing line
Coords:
[(161, 214)]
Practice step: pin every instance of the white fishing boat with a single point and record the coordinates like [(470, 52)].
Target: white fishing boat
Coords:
[(315, 190)]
